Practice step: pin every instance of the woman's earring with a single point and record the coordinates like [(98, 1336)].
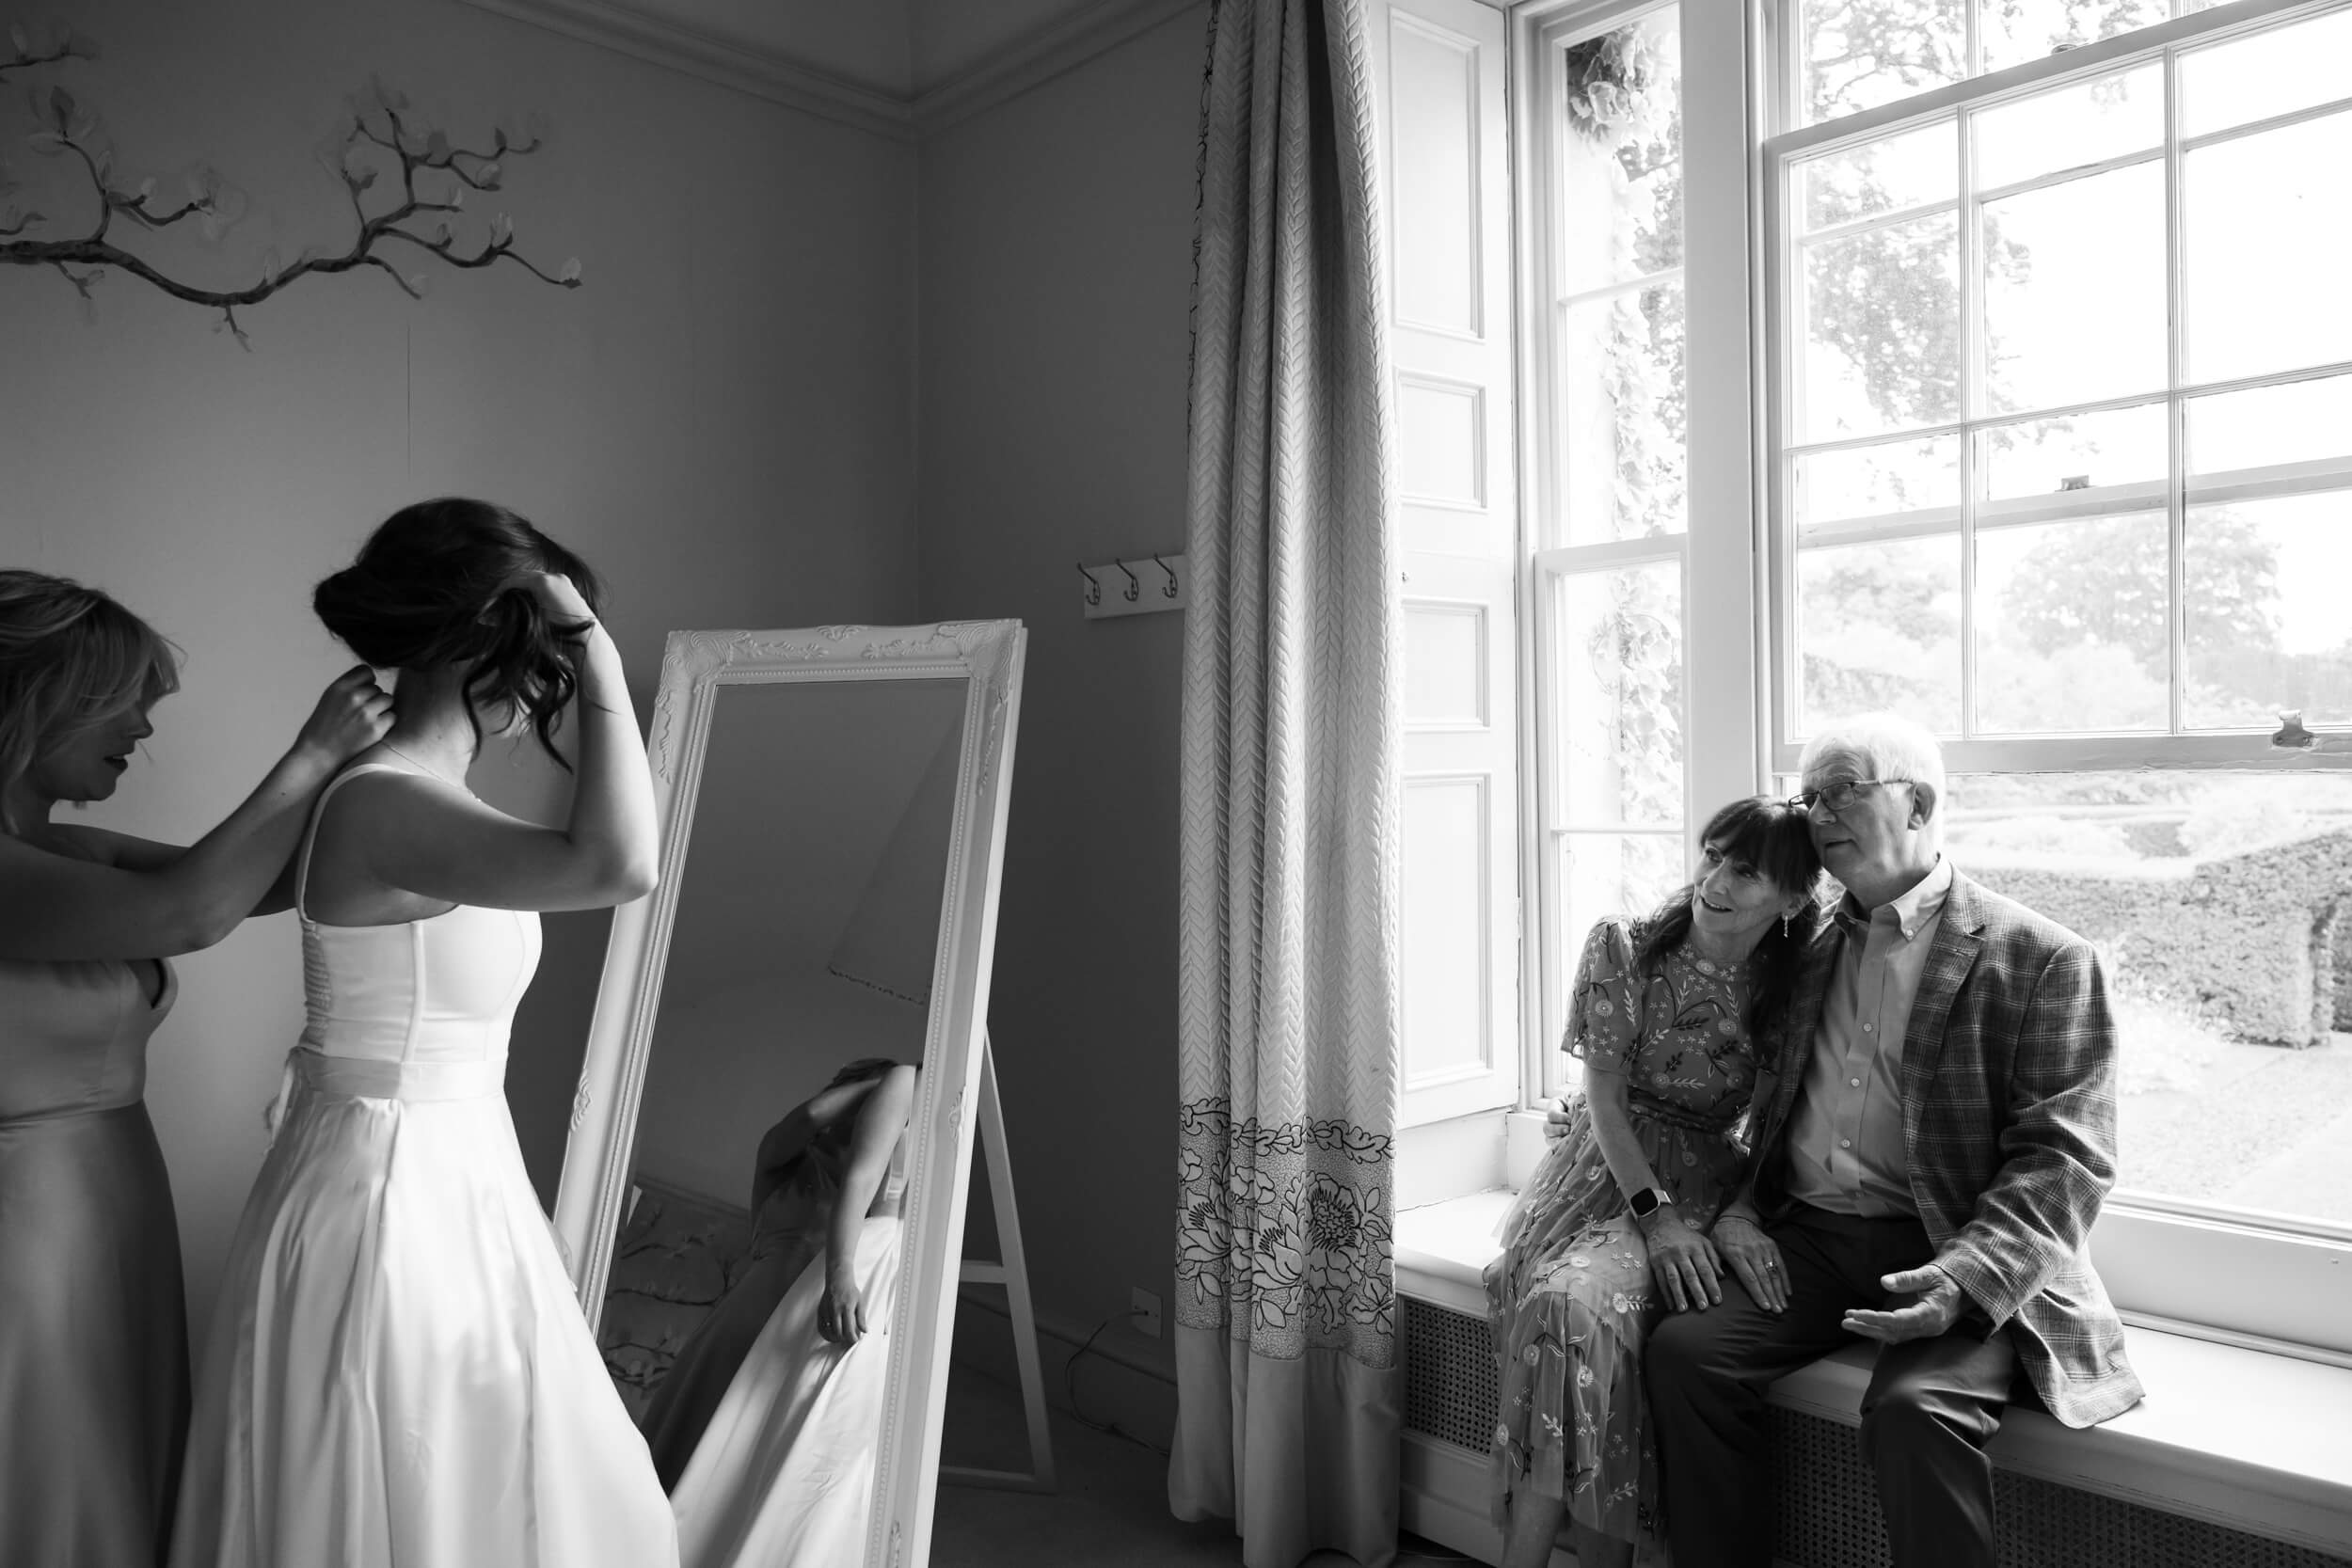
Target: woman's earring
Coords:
[(1784, 923)]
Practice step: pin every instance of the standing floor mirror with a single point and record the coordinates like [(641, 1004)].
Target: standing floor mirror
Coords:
[(772, 1135)]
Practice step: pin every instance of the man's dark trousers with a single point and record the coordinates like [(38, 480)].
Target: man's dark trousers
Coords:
[(1932, 1405)]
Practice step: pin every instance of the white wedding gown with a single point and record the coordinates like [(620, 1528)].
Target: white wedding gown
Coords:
[(399, 1374), (784, 1475)]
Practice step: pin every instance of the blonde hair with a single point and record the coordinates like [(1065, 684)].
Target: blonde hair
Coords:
[(69, 658)]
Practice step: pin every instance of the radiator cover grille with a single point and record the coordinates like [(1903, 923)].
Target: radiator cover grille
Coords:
[(1829, 1512)]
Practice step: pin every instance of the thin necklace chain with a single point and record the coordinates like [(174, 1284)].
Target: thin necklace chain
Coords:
[(429, 768)]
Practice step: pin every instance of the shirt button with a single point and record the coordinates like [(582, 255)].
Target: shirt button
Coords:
[(1868, 1027), (1856, 1082), (1845, 1143)]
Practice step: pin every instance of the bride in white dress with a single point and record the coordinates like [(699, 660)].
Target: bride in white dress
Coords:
[(398, 1376), (785, 1472)]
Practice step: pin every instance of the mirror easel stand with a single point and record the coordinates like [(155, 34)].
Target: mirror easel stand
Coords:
[(1010, 1268)]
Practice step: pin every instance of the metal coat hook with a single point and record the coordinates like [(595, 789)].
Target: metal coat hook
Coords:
[(1174, 592)]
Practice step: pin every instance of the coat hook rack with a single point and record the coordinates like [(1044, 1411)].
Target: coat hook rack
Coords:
[(1151, 582)]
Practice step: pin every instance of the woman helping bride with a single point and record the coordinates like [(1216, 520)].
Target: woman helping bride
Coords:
[(773, 1445)]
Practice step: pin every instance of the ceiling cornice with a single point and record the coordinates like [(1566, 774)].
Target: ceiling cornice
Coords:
[(758, 72), (1037, 57), (1040, 56)]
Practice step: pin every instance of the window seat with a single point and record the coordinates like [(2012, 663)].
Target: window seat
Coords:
[(2244, 1438)]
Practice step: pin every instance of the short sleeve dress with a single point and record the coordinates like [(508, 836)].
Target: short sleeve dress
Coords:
[(1570, 1297)]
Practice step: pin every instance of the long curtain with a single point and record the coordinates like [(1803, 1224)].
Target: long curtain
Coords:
[(1286, 1354)]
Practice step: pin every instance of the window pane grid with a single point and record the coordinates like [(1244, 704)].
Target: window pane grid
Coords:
[(1606, 587), (1945, 46), (2080, 498), (1973, 355), (1805, 530), (1612, 641), (1670, 277), (2176, 413), (2186, 392)]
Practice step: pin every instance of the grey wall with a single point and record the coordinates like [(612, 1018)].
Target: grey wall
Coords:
[(720, 422), (1056, 274), (808, 793)]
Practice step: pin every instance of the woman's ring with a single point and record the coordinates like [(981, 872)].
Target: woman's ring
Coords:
[(1771, 1263)]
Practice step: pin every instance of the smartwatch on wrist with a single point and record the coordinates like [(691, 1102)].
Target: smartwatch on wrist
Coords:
[(1648, 1201)]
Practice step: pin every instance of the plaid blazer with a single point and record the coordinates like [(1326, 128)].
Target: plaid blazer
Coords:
[(2008, 1119)]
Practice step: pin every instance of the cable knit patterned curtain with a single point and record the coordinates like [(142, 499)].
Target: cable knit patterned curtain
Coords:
[(1287, 1372)]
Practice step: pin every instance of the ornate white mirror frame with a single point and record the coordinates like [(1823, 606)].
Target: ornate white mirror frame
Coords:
[(590, 1201)]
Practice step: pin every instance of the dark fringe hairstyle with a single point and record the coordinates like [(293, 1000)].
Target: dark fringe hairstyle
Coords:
[(447, 581), (1771, 835)]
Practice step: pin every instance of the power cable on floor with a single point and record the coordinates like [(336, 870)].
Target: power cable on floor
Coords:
[(1070, 1392)]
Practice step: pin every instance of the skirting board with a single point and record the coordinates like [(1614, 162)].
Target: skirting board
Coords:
[(1118, 1382)]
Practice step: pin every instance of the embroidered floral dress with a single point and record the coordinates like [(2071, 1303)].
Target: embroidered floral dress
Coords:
[(1571, 1298)]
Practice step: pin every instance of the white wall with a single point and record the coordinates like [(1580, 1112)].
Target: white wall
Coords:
[(1056, 267), (718, 421)]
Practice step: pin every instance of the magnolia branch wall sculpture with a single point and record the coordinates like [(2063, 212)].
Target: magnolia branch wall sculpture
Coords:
[(429, 180)]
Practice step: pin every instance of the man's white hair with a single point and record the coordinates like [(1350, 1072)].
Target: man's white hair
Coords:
[(1885, 746)]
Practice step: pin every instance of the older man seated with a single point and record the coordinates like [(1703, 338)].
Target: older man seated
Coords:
[(1926, 1173)]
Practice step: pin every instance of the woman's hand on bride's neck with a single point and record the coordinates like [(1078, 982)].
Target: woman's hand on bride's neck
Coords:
[(430, 725)]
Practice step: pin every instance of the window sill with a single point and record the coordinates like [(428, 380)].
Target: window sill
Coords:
[(2251, 1439)]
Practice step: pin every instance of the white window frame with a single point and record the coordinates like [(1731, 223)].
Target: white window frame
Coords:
[(1971, 752), (2268, 1280), (1716, 556), (2272, 1282)]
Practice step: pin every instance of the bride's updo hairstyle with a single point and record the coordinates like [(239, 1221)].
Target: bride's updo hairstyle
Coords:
[(448, 582)]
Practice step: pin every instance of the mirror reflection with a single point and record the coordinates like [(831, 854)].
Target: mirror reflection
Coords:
[(747, 1317)]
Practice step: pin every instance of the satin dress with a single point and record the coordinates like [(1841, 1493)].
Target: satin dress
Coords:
[(399, 1374), (93, 1326), (785, 1472), (788, 1232)]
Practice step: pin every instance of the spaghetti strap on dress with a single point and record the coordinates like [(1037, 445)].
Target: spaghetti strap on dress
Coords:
[(399, 1374)]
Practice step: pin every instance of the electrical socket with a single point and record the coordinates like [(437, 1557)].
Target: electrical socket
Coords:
[(1143, 1312)]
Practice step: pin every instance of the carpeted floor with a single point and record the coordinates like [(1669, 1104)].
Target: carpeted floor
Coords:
[(1111, 1508)]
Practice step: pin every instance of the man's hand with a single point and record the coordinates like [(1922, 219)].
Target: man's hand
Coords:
[(1753, 1258), (1938, 1307)]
